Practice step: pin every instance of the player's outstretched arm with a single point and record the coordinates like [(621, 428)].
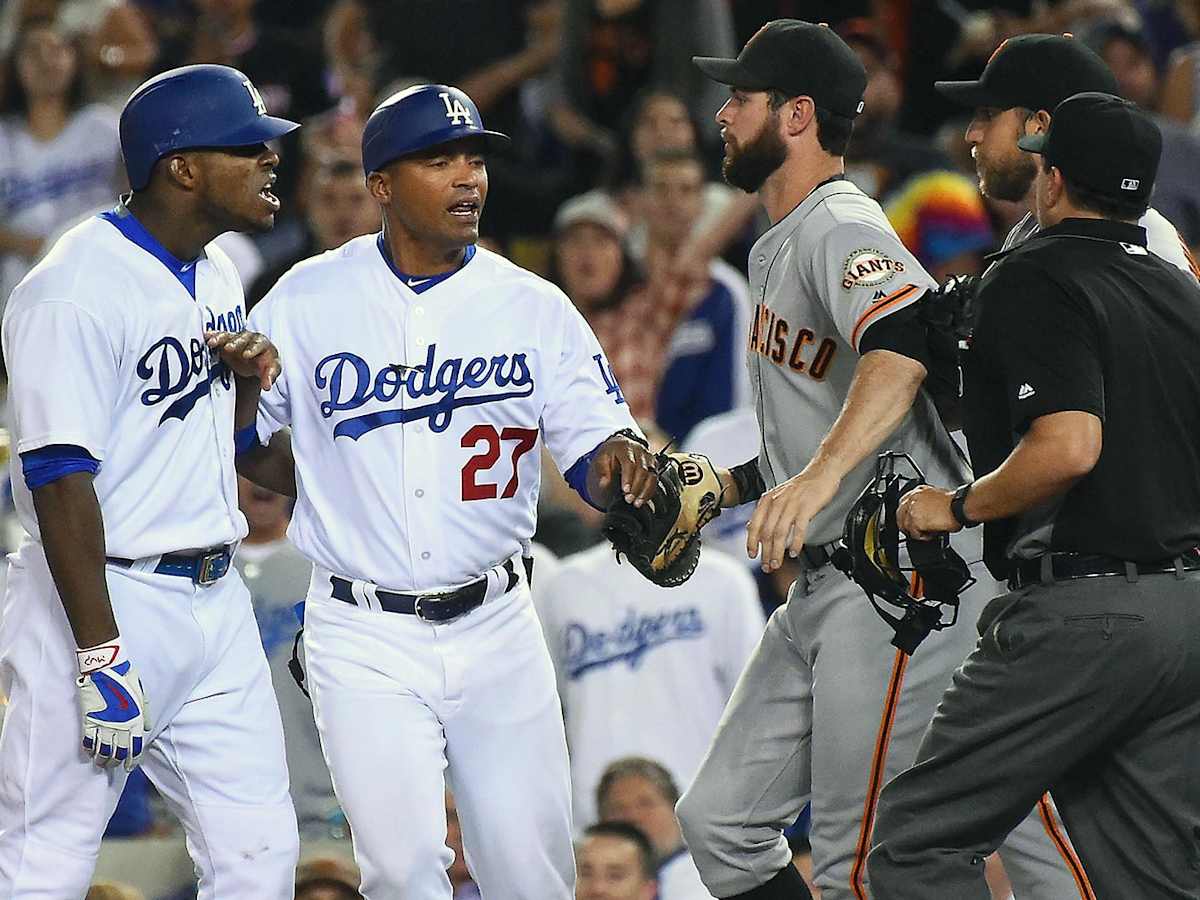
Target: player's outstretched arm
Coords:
[(112, 702), (255, 365), (622, 465), (881, 394)]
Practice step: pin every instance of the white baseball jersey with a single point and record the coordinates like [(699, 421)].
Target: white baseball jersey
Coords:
[(105, 350), (47, 185), (644, 670), (417, 414)]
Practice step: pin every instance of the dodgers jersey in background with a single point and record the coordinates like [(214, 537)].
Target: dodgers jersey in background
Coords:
[(105, 351), (417, 412)]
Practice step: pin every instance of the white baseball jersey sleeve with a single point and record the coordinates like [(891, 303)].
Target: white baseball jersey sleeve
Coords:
[(416, 416), (105, 350)]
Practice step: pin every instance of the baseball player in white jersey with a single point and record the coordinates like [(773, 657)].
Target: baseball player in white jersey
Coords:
[(1025, 79), (124, 638), (826, 710), (422, 373), (644, 670)]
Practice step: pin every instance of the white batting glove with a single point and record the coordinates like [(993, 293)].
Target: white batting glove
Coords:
[(113, 705)]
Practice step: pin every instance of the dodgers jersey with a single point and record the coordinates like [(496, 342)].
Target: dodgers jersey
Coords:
[(105, 350), (417, 417), (820, 277)]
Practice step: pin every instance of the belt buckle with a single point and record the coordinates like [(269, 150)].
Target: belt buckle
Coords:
[(212, 567)]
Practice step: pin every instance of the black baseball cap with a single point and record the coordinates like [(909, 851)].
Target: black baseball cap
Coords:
[(798, 58), (1103, 143), (1036, 71)]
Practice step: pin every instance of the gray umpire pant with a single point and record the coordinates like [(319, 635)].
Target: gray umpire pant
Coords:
[(1089, 689), (826, 710)]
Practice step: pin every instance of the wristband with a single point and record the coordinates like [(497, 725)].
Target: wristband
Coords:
[(958, 503), (246, 439), (102, 656), (749, 481)]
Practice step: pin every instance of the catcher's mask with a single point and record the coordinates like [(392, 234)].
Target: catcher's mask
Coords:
[(870, 554)]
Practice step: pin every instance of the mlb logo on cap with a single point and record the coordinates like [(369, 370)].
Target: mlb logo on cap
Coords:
[(1129, 184)]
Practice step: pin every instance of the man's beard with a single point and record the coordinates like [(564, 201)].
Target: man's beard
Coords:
[(749, 167), (1011, 183)]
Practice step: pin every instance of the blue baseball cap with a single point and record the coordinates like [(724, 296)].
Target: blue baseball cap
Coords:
[(421, 117)]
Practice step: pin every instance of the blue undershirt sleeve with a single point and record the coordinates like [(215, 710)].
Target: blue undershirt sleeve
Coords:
[(46, 464), (576, 476)]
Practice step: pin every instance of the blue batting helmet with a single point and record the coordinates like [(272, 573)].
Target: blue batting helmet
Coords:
[(422, 117), (191, 107)]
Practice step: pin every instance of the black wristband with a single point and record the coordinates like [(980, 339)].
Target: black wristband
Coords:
[(958, 506), (748, 481)]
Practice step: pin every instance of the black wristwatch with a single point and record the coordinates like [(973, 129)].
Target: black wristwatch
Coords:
[(957, 506)]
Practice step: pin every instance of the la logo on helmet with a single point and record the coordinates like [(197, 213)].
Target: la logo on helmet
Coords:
[(455, 111), (255, 97)]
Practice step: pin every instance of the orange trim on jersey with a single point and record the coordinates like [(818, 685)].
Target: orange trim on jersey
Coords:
[(1191, 259), (878, 308), (1065, 849), (878, 769)]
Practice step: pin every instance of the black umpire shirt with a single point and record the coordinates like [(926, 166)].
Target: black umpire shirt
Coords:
[(1082, 317)]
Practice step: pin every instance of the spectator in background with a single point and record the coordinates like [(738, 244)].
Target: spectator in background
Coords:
[(322, 888), (59, 158), (613, 50), (614, 861), (336, 207), (941, 218), (880, 157), (117, 44), (644, 670), (112, 890), (660, 122), (489, 49), (461, 882), (641, 792), (1177, 187), (594, 268), (705, 371), (277, 577)]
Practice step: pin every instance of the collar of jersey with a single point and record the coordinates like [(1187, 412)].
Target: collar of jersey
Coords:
[(126, 223), (1102, 229), (836, 184), (419, 284)]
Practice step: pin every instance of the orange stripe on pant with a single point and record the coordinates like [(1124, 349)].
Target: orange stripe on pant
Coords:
[(878, 770), (1065, 849)]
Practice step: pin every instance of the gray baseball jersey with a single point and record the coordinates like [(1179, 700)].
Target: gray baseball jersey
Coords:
[(834, 709), (820, 277)]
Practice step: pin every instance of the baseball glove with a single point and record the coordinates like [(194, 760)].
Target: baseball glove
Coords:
[(661, 538)]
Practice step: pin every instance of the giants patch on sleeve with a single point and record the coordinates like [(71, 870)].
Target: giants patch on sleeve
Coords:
[(869, 268)]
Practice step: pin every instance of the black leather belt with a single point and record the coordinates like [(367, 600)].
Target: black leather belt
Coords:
[(1068, 566), (428, 607), (204, 567), (814, 556)]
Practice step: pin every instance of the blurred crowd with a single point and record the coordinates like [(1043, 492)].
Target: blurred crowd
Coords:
[(612, 190)]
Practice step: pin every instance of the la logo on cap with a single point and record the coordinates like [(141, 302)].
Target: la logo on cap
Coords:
[(1129, 184)]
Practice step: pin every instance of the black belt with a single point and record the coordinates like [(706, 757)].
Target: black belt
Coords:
[(1067, 566), (815, 556), (204, 567), (428, 607)]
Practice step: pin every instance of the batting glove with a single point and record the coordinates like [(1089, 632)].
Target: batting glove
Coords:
[(115, 720)]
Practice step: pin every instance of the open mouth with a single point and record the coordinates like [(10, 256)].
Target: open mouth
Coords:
[(466, 210), (269, 198)]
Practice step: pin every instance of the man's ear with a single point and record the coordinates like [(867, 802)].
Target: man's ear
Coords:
[(798, 114), (379, 185), (1038, 123), (183, 169)]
